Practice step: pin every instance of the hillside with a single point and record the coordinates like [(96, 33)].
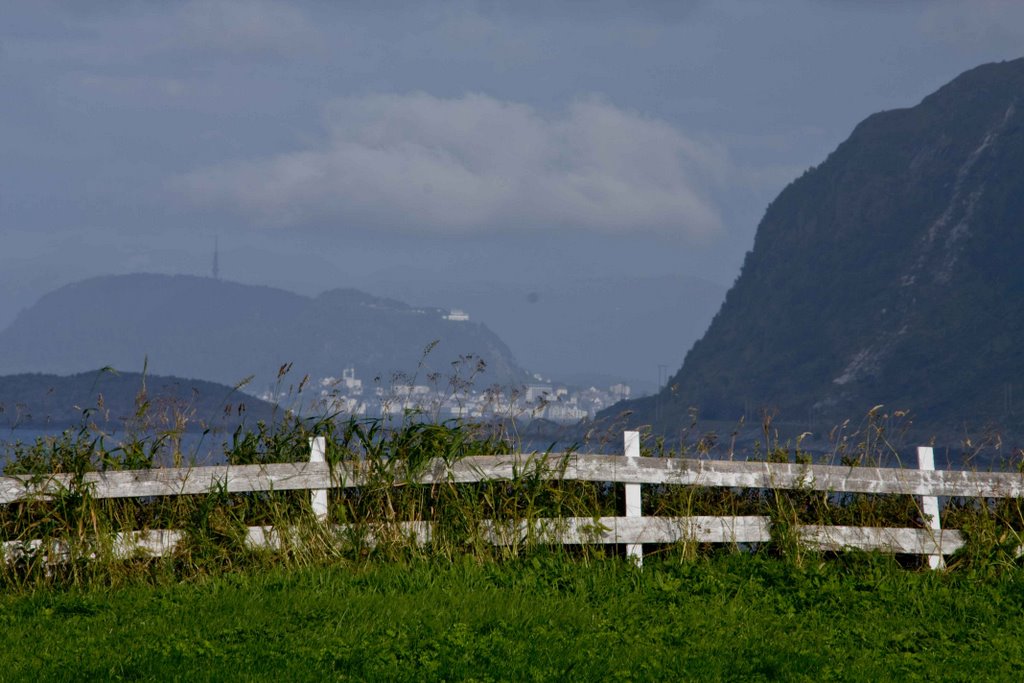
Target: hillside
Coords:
[(224, 332), (36, 401), (632, 324), (888, 275)]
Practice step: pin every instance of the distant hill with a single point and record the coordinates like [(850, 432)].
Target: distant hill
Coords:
[(890, 274), (225, 331), (36, 401), (629, 325)]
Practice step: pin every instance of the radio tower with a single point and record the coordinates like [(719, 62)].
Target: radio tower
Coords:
[(216, 259)]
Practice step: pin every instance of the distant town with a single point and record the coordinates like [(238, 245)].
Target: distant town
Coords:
[(347, 395)]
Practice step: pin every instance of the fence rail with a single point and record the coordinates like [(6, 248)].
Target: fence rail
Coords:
[(629, 531), (570, 467), (630, 469)]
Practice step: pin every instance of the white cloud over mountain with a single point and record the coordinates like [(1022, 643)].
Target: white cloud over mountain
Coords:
[(416, 162)]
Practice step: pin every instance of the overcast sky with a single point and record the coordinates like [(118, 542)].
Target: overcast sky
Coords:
[(507, 140)]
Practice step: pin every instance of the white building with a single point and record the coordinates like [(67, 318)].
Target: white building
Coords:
[(353, 386), (620, 392), (564, 412), (348, 385), (536, 392)]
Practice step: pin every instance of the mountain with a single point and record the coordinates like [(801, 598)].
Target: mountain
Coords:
[(631, 324), (44, 401), (225, 331), (890, 274)]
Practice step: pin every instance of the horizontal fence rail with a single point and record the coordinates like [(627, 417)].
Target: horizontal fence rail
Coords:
[(632, 530), (564, 531), (571, 467)]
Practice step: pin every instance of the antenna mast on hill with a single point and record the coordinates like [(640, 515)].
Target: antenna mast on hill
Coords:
[(216, 259)]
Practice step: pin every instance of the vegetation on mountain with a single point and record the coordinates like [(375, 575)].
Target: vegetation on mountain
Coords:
[(886, 275)]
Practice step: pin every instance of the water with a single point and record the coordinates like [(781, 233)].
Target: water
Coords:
[(196, 447), (208, 449)]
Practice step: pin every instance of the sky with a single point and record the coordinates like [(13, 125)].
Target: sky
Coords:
[(325, 144)]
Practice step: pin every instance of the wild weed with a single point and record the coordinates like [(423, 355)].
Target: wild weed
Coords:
[(72, 538)]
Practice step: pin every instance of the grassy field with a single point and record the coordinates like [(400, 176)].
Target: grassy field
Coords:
[(724, 617), (333, 608)]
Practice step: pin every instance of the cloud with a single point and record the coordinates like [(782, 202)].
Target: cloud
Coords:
[(416, 162)]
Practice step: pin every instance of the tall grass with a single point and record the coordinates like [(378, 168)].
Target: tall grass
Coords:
[(72, 538)]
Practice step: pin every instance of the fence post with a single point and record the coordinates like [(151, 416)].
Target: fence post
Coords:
[(930, 506), (318, 497), (631, 444)]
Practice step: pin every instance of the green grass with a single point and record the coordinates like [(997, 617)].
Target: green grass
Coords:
[(721, 617), (325, 608)]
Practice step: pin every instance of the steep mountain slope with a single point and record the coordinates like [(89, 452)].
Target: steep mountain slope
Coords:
[(888, 274), (225, 331)]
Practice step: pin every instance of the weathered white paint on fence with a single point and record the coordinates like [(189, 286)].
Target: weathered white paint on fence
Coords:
[(930, 505), (796, 476), (632, 530), (173, 482), (893, 540), (570, 467), (318, 497), (124, 545), (631, 449), (559, 531), (370, 534)]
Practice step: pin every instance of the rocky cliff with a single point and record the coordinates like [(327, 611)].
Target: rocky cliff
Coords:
[(890, 274)]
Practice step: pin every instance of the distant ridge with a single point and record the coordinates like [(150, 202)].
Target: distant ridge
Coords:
[(632, 323), (226, 331), (890, 274), (38, 401)]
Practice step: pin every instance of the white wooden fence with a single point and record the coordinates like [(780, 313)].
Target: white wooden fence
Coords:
[(632, 530)]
